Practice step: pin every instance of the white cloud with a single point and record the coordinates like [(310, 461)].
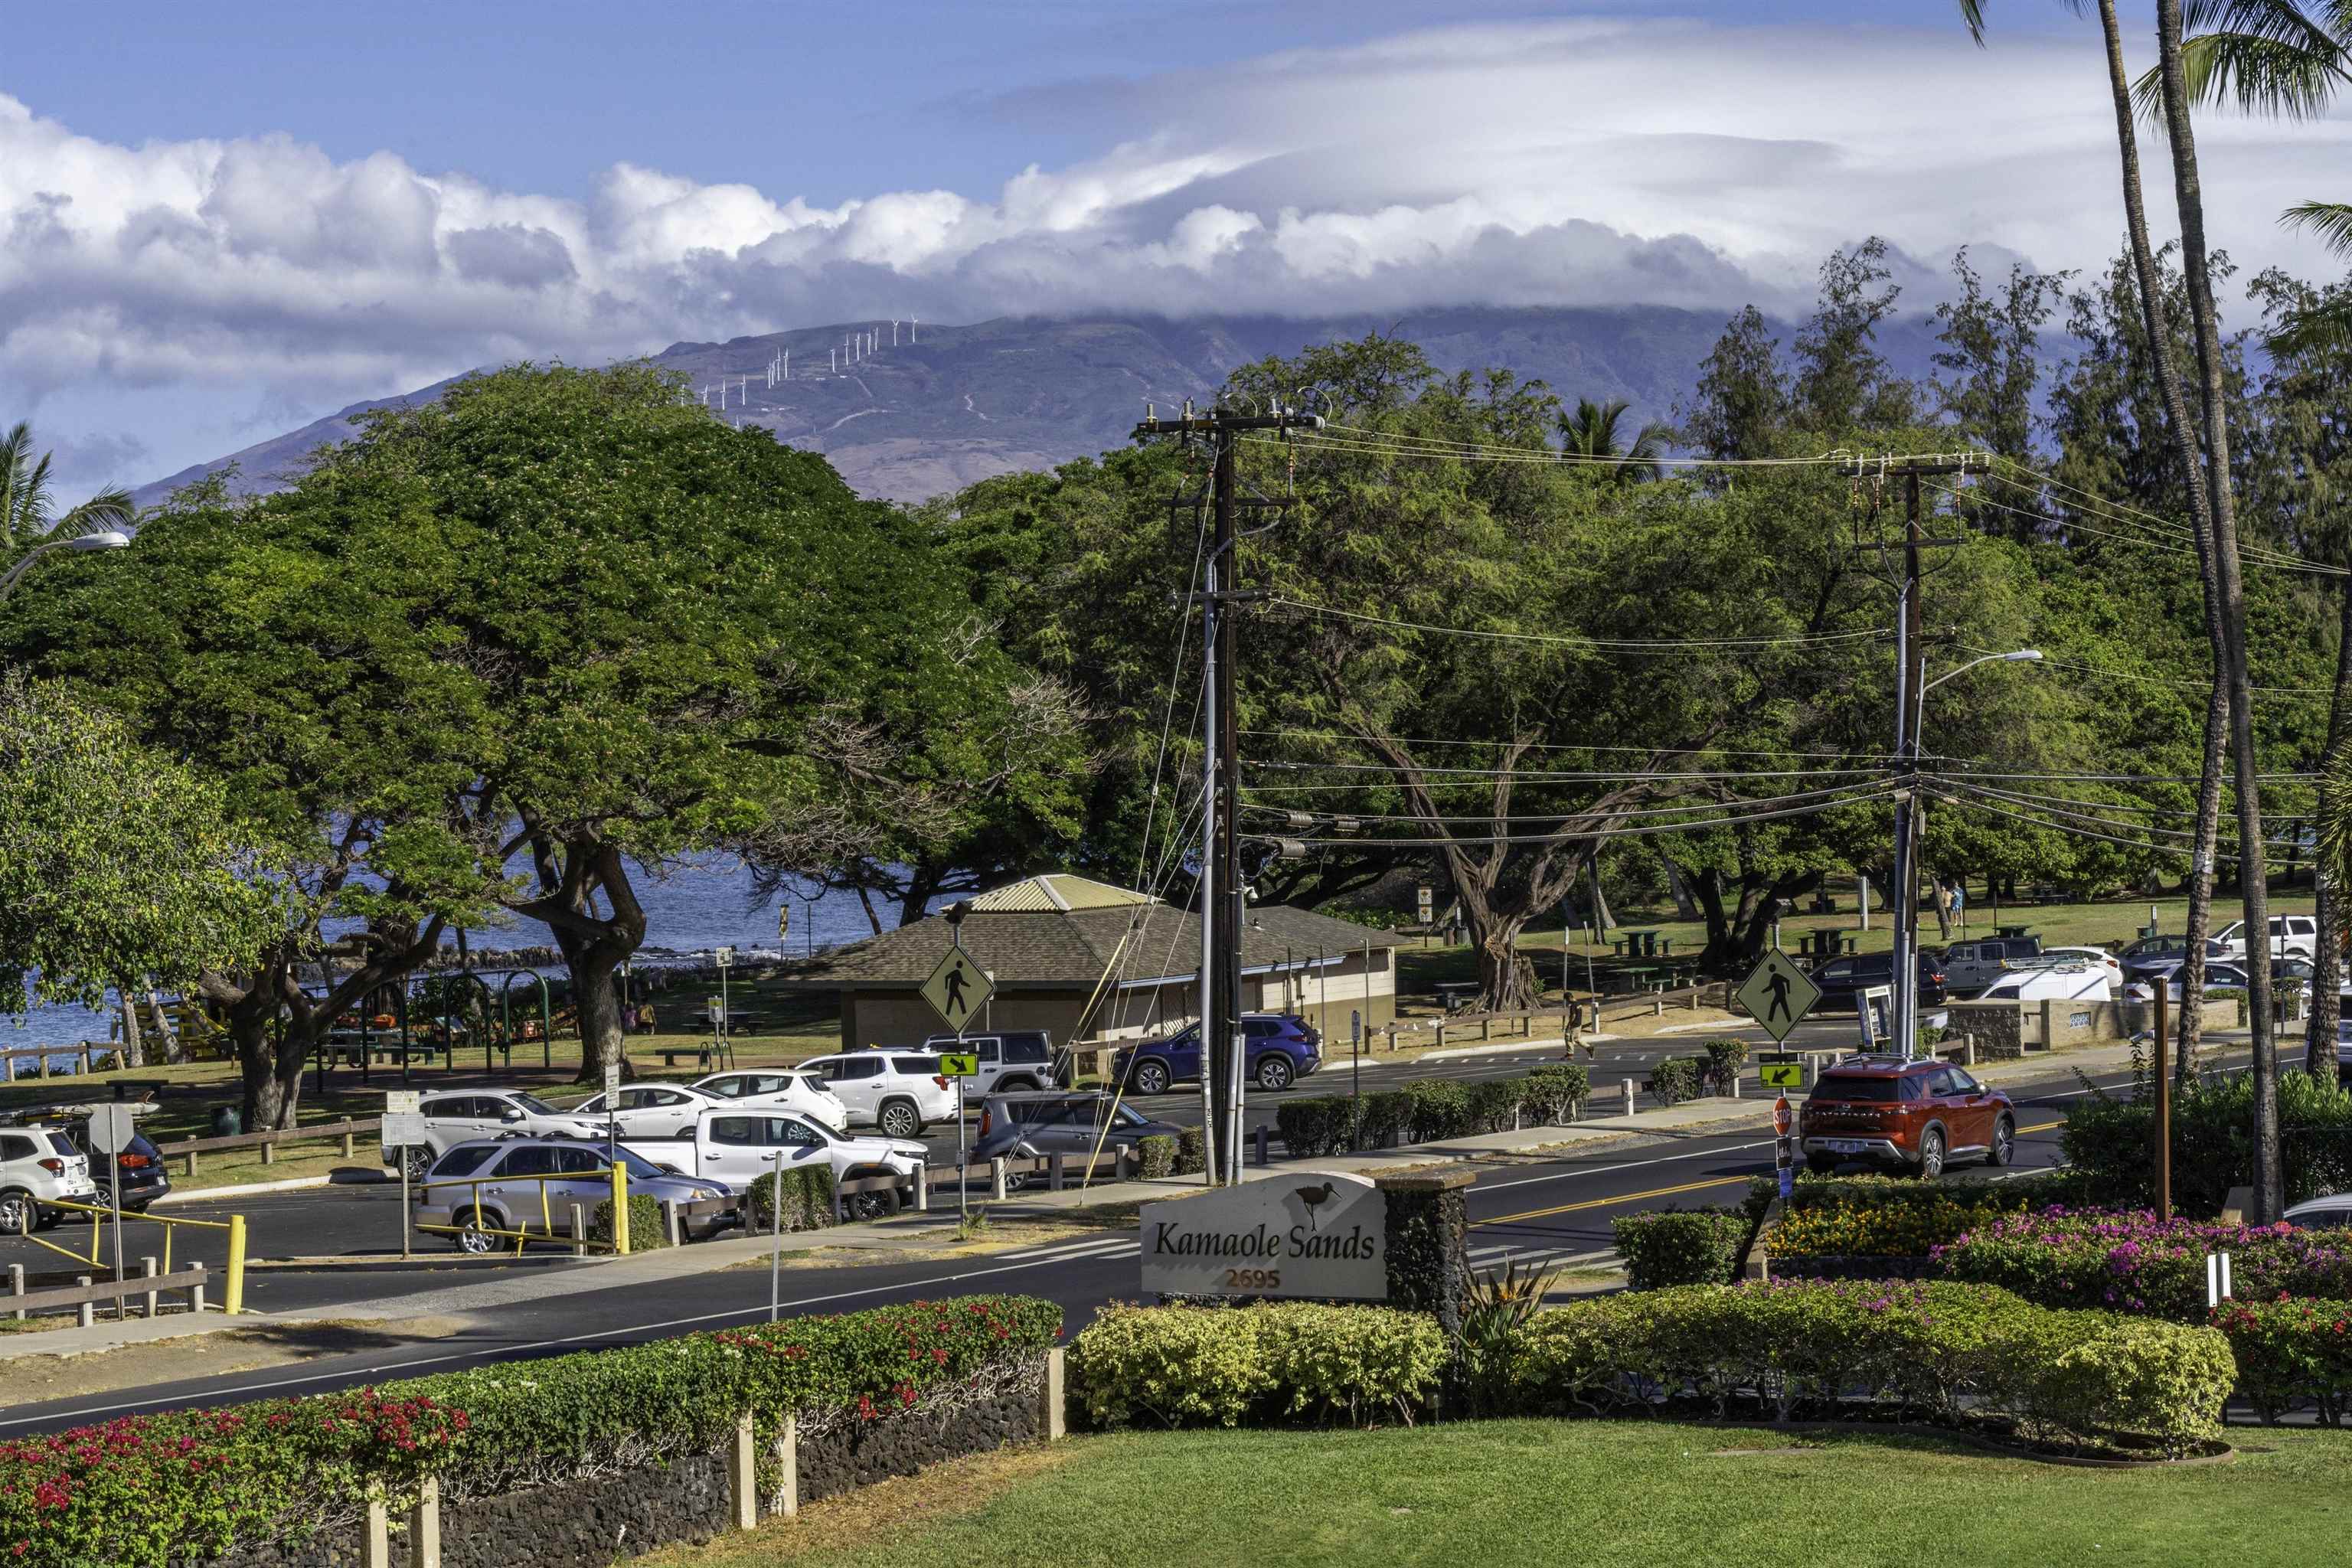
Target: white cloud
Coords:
[(1587, 161)]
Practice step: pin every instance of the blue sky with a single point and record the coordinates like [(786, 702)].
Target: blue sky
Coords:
[(223, 220)]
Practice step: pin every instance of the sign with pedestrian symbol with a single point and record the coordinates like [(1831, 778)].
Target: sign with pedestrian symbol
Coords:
[(958, 989), (1778, 994), (955, 1065)]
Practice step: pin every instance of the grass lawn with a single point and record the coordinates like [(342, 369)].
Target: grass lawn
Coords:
[(1499, 1494)]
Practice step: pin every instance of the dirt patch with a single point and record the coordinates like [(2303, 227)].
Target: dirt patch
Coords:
[(34, 1378), (900, 1508)]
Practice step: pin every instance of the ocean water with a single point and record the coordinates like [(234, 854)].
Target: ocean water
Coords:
[(706, 905)]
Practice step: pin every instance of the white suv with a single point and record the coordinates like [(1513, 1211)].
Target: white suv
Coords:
[(455, 1118), (801, 1092), (2291, 936), (39, 1166), (898, 1091)]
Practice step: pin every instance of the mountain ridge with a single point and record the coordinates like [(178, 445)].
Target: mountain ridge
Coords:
[(949, 405)]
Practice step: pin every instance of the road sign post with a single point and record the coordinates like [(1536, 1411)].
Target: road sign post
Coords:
[(111, 1128), (959, 1065), (957, 989), (1780, 1070), (404, 1128), (1785, 1154)]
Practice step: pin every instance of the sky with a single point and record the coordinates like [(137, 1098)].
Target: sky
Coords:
[(223, 221)]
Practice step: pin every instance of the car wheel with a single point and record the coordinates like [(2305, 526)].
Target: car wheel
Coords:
[(473, 1241), (418, 1159), (2004, 1143), (900, 1118), (1274, 1073), (15, 1213), (1018, 1085), (872, 1206), (1150, 1077), (1931, 1153)]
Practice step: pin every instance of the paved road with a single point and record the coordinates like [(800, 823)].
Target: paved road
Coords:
[(1556, 1210)]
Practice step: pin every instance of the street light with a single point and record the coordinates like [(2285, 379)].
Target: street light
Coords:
[(1906, 926), (79, 544)]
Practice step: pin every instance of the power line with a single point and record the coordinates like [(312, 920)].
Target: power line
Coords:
[(1831, 796), (1465, 841), (1559, 745), (2154, 679), (1530, 775), (1615, 645)]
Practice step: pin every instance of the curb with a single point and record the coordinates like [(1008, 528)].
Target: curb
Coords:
[(251, 1189)]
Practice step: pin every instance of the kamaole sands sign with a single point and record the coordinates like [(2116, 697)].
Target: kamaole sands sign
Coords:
[(1318, 1234)]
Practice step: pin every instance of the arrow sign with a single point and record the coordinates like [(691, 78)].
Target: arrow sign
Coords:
[(958, 989), (954, 1064), (1777, 994)]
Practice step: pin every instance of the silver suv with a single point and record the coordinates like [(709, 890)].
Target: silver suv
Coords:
[(489, 1185), (39, 1166)]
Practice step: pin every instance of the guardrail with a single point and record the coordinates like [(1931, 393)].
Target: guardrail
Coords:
[(232, 1302), (40, 1056), (151, 1281), (267, 1142)]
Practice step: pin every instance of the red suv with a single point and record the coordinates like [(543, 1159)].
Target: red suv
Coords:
[(1918, 1115)]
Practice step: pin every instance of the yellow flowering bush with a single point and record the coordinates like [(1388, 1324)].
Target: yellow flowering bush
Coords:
[(1848, 1227)]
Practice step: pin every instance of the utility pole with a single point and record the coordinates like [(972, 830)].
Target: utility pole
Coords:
[(1223, 1055), (1910, 683)]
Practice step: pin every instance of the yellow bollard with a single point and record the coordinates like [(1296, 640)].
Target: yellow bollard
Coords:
[(234, 1301), (620, 1209)]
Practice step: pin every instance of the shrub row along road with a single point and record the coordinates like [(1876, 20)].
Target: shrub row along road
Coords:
[(1555, 1210)]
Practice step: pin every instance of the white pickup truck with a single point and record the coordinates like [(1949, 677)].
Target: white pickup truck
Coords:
[(737, 1147)]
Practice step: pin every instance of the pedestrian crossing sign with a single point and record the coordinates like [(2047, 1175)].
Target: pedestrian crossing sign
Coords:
[(1778, 994), (958, 989)]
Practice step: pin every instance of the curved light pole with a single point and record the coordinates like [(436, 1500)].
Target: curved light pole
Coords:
[(79, 544), (1906, 931)]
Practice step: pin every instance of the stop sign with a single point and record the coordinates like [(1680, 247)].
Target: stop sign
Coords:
[(1781, 1118)]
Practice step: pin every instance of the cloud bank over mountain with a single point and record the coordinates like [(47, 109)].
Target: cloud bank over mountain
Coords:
[(1585, 163)]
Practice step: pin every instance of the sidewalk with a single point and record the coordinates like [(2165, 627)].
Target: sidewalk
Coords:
[(563, 1278)]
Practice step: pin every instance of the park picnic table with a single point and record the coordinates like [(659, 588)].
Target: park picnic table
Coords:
[(1641, 975), (1642, 944), (2013, 931), (1451, 992)]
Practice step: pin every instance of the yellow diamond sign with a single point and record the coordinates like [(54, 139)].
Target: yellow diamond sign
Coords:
[(958, 989), (1779, 993)]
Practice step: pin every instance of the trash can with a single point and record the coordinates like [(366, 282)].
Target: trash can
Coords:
[(228, 1122)]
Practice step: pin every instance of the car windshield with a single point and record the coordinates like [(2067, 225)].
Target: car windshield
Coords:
[(533, 1104), (1876, 1089), (464, 1160)]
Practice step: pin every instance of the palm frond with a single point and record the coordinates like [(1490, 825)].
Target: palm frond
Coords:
[(2262, 76), (1972, 12), (2332, 220), (109, 508), (2325, 329)]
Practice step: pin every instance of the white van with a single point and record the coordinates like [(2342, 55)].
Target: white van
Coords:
[(2051, 982)]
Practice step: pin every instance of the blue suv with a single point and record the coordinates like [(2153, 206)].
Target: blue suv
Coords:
[(1282, 1048)]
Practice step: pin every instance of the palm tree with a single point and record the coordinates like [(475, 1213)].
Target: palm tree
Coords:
[(26, 515), (1590, 435), (2184, 446), (2189, 197), (2276, 57)]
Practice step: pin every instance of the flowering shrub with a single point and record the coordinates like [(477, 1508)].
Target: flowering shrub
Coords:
[(194, 1483), (1850, 1226), (1222, 1366), (2291, 1352), (2128, 1261), (1937, 1352)]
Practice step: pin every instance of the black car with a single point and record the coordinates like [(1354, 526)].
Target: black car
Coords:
[(1842, 980), (139, 1168), (2153, 955), (1028, 1126)]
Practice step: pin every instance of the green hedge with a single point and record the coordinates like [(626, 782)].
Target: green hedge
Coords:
[(1680, 1247), (144, 1491), (2111, 1142), (1720, 1069), (807, 1200), (1191, 1152), (1222, 1366), (1157, 1156), (1429, 1108), (1676, 1080), (1952, 1354), (647, 1231)]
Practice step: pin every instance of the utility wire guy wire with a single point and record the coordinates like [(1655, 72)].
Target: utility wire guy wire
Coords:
[(1557, 639)]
